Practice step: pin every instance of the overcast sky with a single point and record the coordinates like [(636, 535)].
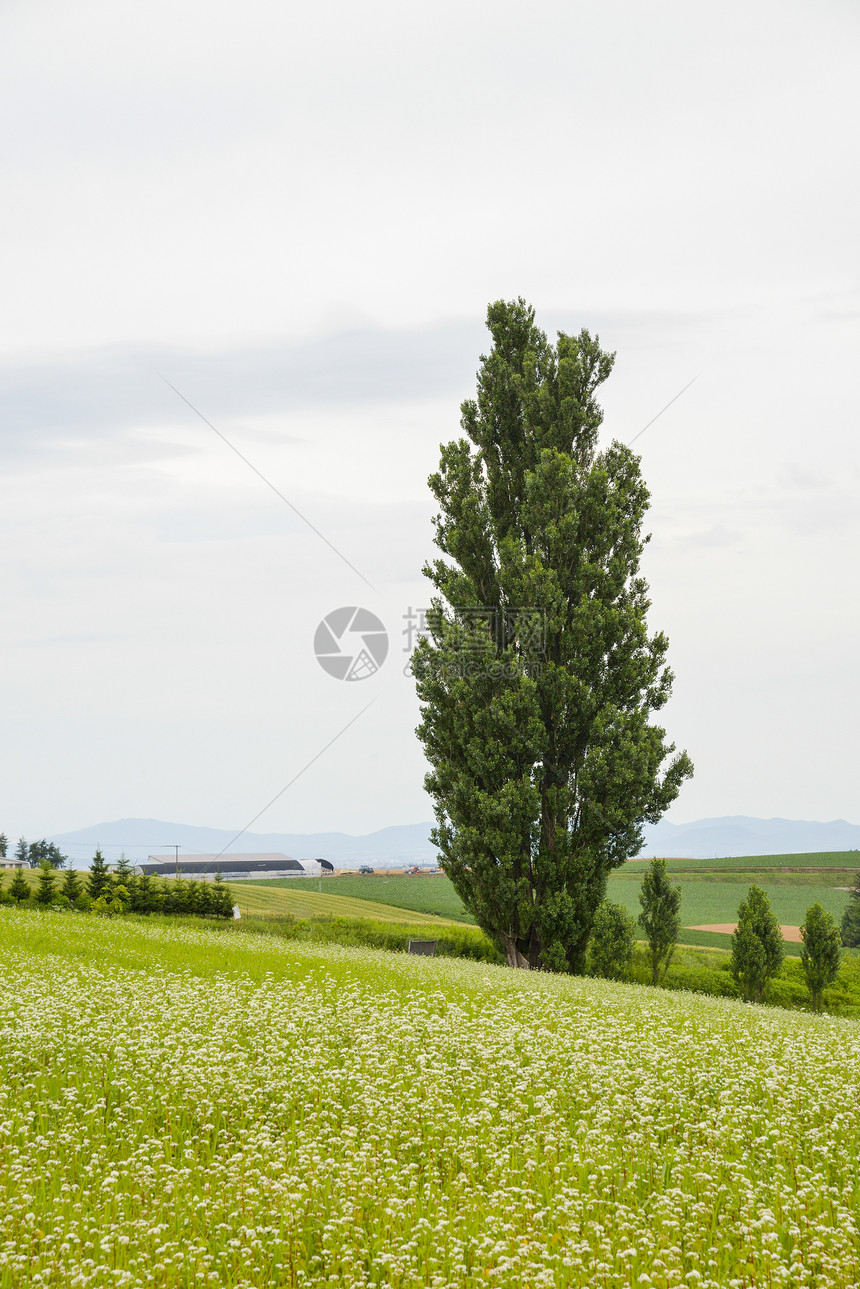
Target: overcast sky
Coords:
[(297, 215)]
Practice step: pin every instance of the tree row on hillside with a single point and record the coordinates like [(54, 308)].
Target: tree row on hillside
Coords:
[(119, 891)]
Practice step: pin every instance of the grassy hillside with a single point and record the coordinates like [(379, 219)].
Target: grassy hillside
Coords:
[(289, 900), (429, 895), (186, 1107)]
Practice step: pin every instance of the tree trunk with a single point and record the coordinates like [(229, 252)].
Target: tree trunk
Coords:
[(513, 955), (535, 961)]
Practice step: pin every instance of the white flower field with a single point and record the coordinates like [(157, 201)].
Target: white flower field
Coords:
[(202, 1108)]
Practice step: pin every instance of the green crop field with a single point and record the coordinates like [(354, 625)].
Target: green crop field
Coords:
[(837, 859), (708, 902), (707, 897), (187, 1107)]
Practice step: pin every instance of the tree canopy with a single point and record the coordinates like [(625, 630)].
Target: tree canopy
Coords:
[(538, 676)]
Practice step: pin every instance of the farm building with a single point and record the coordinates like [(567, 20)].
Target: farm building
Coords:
[(13, 863), (231, 867)]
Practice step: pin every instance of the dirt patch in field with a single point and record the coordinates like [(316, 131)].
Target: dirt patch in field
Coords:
[(790, 933)]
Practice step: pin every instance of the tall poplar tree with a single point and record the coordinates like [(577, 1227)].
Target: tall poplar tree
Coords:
[(757, 945), (538, 676), (660, 918), (821, 954)]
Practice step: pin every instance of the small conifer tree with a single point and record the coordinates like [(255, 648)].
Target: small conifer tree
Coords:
[(196, 899), (167, 896), (71, 886), (613, 936), (757, 946), (660, 918), (123, 874), (178, 898), (4, 895), (820, 954), (99, 877), (145, 897), (45, 889), (20, 888), (221, 898)]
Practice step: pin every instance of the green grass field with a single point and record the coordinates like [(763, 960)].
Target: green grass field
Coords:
[(187, 1107)]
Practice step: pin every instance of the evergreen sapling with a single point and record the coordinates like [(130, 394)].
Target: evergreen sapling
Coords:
[(45, 888), (71, 887), (99, 878), (222, 899), (20, 888)]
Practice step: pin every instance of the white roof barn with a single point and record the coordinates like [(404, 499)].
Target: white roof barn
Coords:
[(231, 867)]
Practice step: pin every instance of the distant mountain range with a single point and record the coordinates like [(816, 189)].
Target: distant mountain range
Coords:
[(390, 847), (731, 835), (409, 843)]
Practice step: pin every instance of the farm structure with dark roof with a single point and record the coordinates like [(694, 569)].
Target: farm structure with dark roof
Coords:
[(231, 867)]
